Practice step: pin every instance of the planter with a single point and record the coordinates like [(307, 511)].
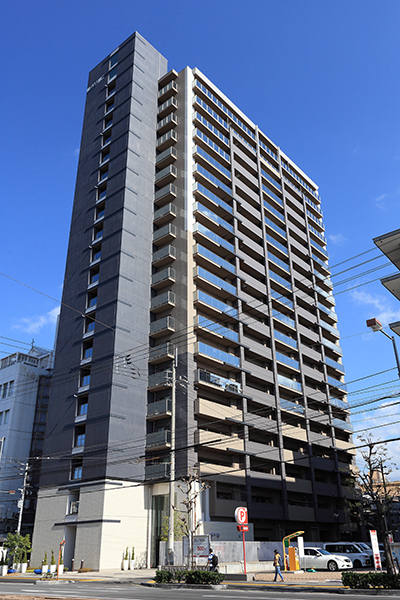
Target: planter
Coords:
[(60, 570), (132, 564), (4, 569), (45, 569), (125, 564), (24, 566), (53, 568)]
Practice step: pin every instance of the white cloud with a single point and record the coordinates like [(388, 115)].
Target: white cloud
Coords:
[(76, 152), (38, 322), (338, 239), (383, 201), (384, 311)]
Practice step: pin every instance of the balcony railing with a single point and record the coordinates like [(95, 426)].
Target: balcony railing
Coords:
[(158, 438), (159, 408), (212, 352), (198, 187), (199, 249), (165, 275), (158, 471), (285, 339), (162, 351), (161, 325), (162, 379), (283, 318), (277, 244), (291, 406), (221, 283), (290, 362), (334, 364), (290, 383), (215, 303), (216, 327), (280, 280), (164, 233)]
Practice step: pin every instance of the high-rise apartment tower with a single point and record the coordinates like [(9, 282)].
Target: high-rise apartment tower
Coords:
[(193, 237)]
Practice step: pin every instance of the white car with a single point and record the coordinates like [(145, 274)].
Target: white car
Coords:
[(317, 558)]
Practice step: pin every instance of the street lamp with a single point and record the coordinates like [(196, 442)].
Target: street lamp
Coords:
[(375, 325)]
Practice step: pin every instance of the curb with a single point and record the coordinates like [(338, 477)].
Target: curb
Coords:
[(188, 586), (370, 592)]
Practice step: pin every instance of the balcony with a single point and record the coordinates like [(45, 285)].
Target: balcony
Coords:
[(217, 411), (338, 384), (161, 353), (166, 157), (158, 471), (216, 328), (168, 105), (164, 214), (214, 237), (166, 140), (215, 354), (165, 194), (334, 364), (283, 318), (214, 281), (332, 346), (285, 339), (166, 175), (333, 330), (289, 383), (219, 441), (168, 90), (163, 278), (164, 255), (198, 188), (286, 360), (320, 249), (282, 299), (164, 235), (160, 381), (328, 312), (340, 403), (158, 440), (169, 121), (280, 280), (276, 244), (200, 251), (162, 327), (160, 409), (206, 378), (291, 407), (213, 303), (162, 302)]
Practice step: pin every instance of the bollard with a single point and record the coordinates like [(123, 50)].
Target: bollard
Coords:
[(82, 561), (72, 564)]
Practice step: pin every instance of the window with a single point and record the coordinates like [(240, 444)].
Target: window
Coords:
[(80, 432), (6, 416), (111, 88), (76, 469), (113, 60), (102, 192), (108, 120), (92, 300), (94, 276), (100, 210), (87, 351), (1, 418), (96, 254), (105, 155), (82, 407), (89, 324), (103, 174), (85, 377), (5, 388), (10, 388), (112, 74), (97, 233), (107, 137)]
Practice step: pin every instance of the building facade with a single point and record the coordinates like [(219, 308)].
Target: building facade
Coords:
[(198, 316), (21, 376)]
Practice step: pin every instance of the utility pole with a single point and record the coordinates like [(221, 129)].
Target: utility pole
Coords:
[(22, 499), (171, 532)]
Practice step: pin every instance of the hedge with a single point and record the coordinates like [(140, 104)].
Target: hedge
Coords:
[(365, 581), (192, 577)]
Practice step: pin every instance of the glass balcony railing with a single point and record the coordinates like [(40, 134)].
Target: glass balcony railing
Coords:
[(164, 275), (331, 313), (290, 362), (290, 383), (199, 271), (161, 299), (212, 144), (337, 383), (323, 263), (274, 196), (162, 350), (203, 190), (278, 245), (334, 364), (216, 328), (285, 339), (158, 438), (273, 210), (159, 408), (340, 403), (166, 251), (163, 378), (213, 216), (264, 147), (291, 406), (279, 262), (333, 330), (215, 303), (211, 112), (280, 280), (270, 179), (342, 425), (214, 257), (218, 354), (166, 323), (211, 127), (314, 218), (215, 163), (283, 299), (319, 248), (283, 318), (226, 384), (332, 346), (213, 236), (214, 180)]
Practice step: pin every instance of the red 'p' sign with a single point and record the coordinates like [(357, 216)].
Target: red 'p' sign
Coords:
[(241, 515)]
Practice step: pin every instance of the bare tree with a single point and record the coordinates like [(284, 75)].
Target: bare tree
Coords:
[(191, 487), (376, 495)]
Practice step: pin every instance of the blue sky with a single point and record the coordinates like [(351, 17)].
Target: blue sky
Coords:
[(321, 79)]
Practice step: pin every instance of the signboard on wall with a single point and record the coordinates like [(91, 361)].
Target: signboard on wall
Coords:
[(201, 546)]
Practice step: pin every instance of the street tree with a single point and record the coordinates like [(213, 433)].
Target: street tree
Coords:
[(376, 495)]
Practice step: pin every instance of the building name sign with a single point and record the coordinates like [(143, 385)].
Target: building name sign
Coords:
[(95, 83)]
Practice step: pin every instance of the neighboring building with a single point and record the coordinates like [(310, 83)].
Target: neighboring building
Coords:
[(20, 379), (191, 231), (389, 244)]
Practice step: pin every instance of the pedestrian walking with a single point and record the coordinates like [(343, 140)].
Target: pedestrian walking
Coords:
[(212, 561), (277, 565)]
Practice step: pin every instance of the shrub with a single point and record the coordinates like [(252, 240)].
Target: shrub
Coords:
[(52, 560), (164, 577), (85, 570), (198, 577), (365, 581)]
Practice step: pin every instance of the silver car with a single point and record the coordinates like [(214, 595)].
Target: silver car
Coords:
[(317, 558)]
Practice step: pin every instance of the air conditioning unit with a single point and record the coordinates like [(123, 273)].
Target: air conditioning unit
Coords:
[(232, 387)]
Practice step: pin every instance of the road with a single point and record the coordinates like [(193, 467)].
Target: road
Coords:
[(112, 591)]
